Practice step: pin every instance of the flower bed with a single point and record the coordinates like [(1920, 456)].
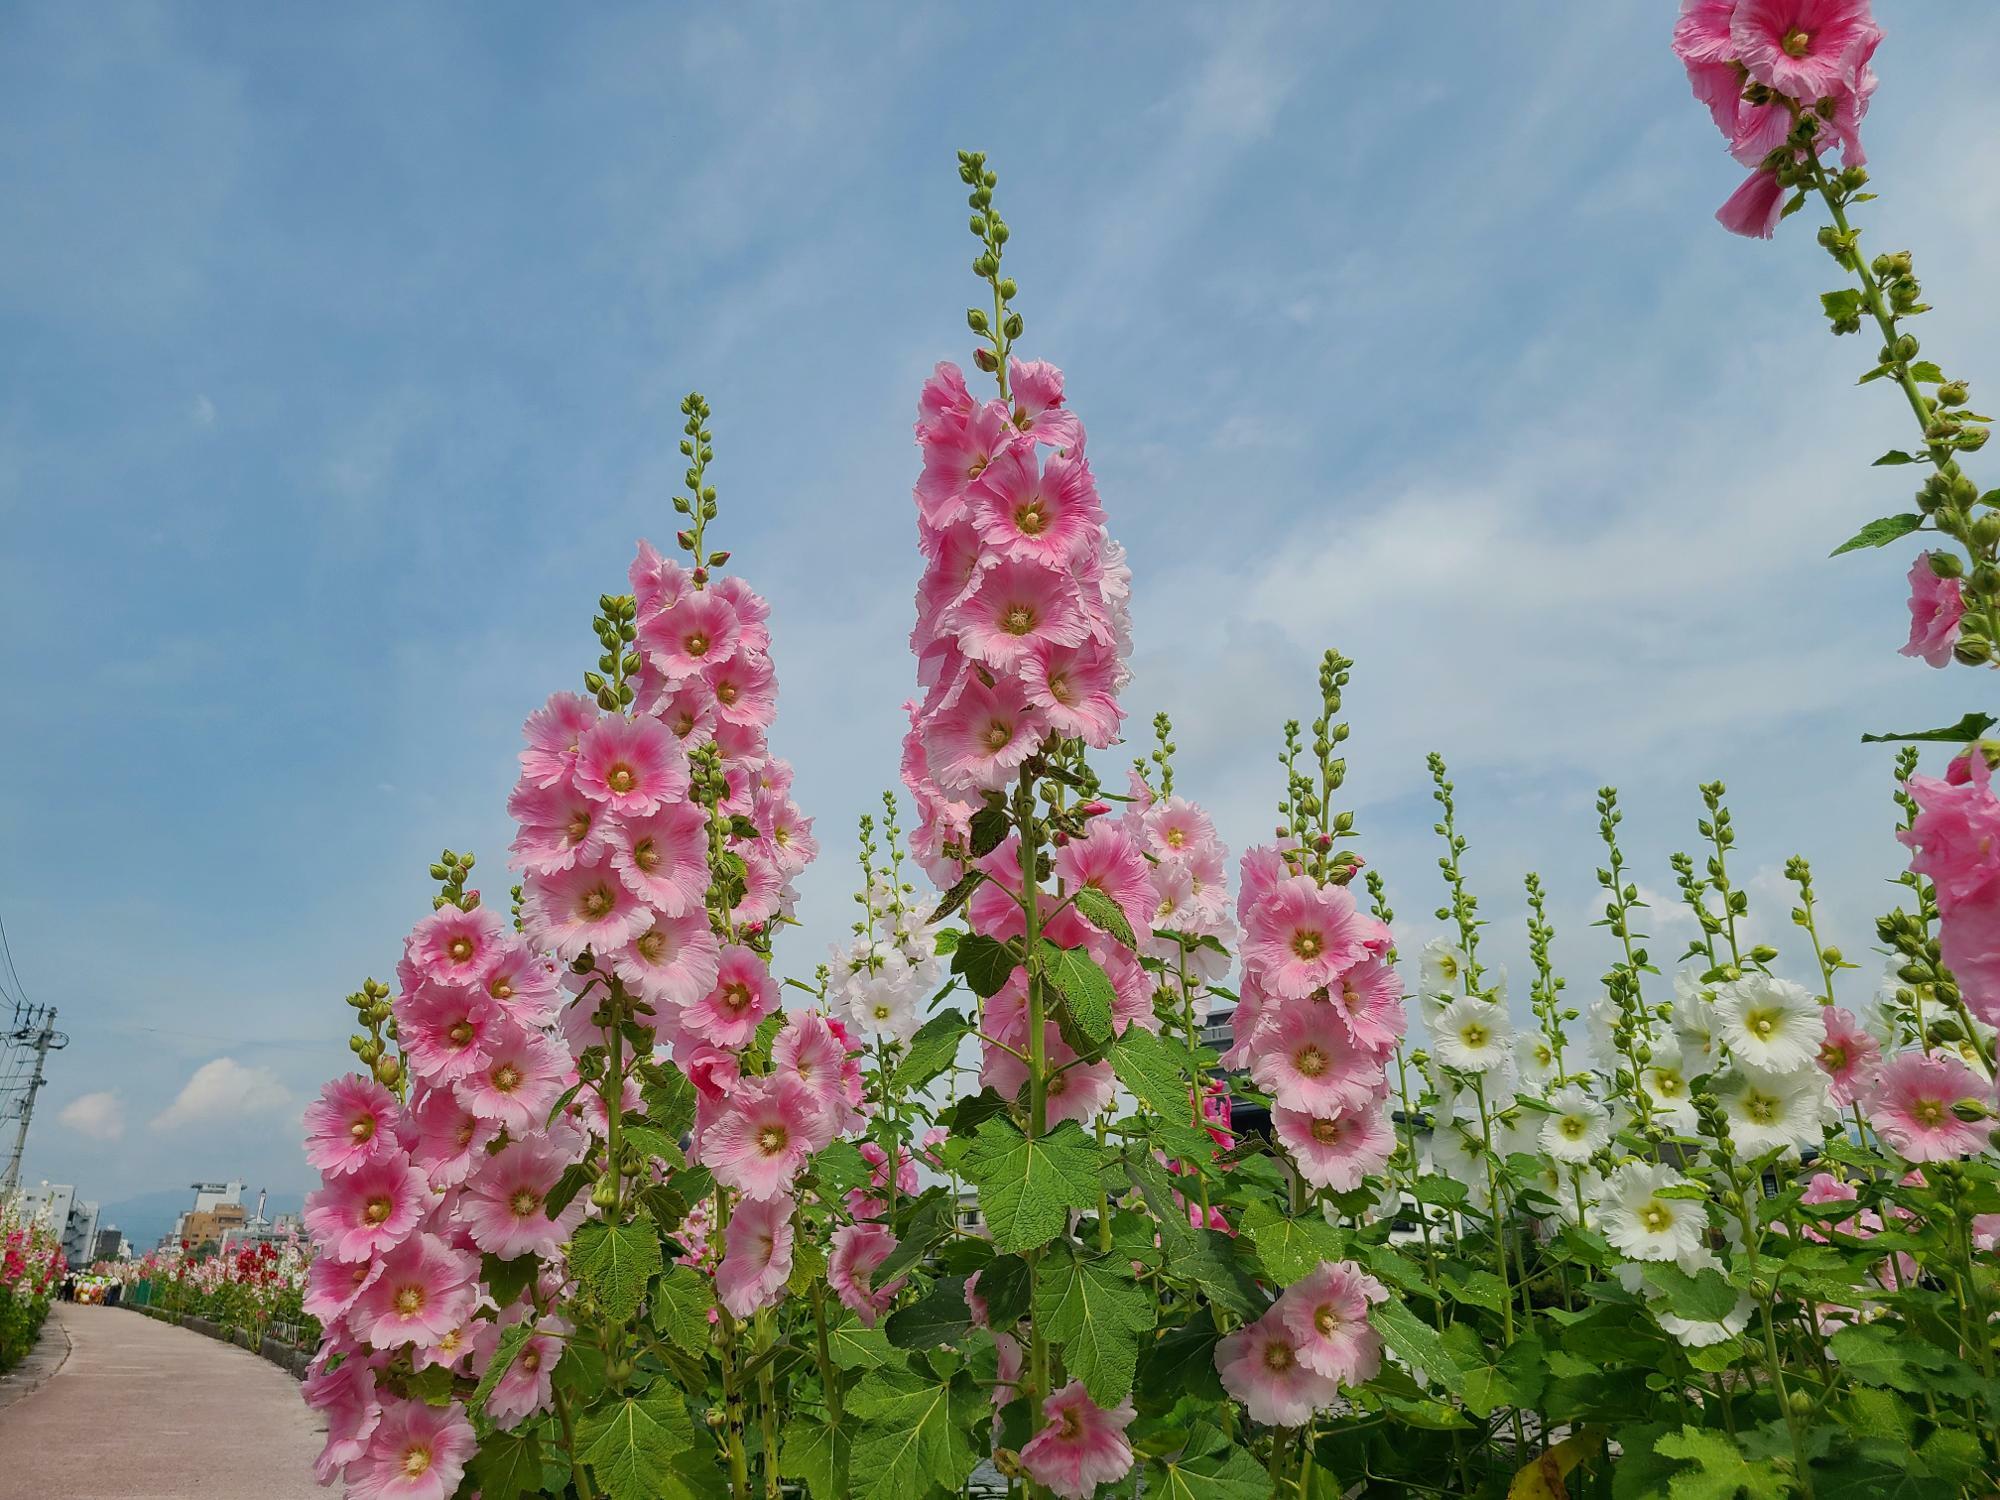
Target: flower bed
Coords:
[(31, 1264), (600, 1216)]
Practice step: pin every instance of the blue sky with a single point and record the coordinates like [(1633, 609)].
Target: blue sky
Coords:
[(342, 357)]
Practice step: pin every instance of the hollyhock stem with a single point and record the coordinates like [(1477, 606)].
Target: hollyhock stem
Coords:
[(1038, 1106), (828, 1382), (768, 1396), (578, 1472)]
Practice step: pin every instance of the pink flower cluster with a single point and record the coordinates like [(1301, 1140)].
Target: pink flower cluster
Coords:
[(1320, 1014), (1188, 870), (1313, 1340), (413, 1195), (1759, 65), (1955, 844), (1022, 613)]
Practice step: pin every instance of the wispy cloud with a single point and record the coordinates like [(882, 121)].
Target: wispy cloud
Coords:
[(223, 1090), (98, 1116)]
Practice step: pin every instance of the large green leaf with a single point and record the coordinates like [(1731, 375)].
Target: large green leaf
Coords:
[(1873, 1355), (1084, 987), (816, 1452), (1156, 1074), (1705, 1297), (933, 1049), (985, 963), (1418, 1345), (940, 1316), (1289, 1249), (1096, 1312), (1720, 1471), (615, 1261), (1181, 1362), (1027, 1188), (630, 1441), (1969, 727), (681, 1304), (1229, 1473), (917, 1432), (1880, 533), (508, 1465)]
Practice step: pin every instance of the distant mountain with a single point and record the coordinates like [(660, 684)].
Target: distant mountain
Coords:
[(144, 1219)]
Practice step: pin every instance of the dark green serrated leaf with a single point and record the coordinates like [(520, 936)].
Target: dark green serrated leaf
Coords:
[(816, 1452), (1418, 1345), (1027, 1188), (1894, 458), (984, 963), (1083, 986), (507, 1466), (682, 1299), (940, 1316), (989, 830), (512, 1340), (1095, 1311), (1705, 1297), (507, 1279), (1289, 1249), (1231, 1474), (1879, 533), (916, 1434), (629, 1443), (615, 1261), (933, 1049), (1155, 1073)]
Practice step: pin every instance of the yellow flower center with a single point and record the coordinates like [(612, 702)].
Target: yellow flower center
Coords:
[(378, 1209), (577, 829), (1031, 519), (652, 945), (506, 1078), (646, 855), (363, 1128), (772, 1139), (998, 733), (621, 778), (1072, 1424), (1326, 1318), (1309, 1060), (416, 1461), (725, 692), (696, 644), (524, 1202), (736, 997), (1572, 1127), (1656, 1216), (597, 902), (531, 1359), (1059, 688), (409, 1300), (465, 1133), (461, 1033), (1308, 944), (1327, 1132), (1762, 1024), (461, 949), (1929, 1112), (1474, 1034), (1176, 837), (500, 987), (1797, 42), (1018, 619), (1278, 1357)]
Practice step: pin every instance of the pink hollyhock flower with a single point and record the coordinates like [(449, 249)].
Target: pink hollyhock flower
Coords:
[(700, 629), (765, 893), (333, 1285), (559, 827), (444, 1031), (631, 766), (1175, 828), (353, 1121), (1805, 49), (1079, 1090), (1848, 1056), (1082, 1447), (867, 1205), (1326, 1314), (1937, 605), (1014, 608), (417, 1452), (1336, 1151), (523, 984), (981, 738), (956, 559), (744, 993), (756, 1257), (1033, 512), (587, 907), (450, 1139), (1956, 833), (368, 1209), (759, 1142), (345, 1399), (744, 690), (1307, 1061), (1258, 875), (809, 1050), (519, 1082), (957, 452), (1969, 940), (686, 708), (1911, 1108), (753, 613), (656, 581), (1304, 936), (1703, 43), (1754, 209), (1260, 1366), (943, 401), (1076, 688), (1037, 389), (662, 856), (1108, 860), (673, 962), (1007, 1374), (451, 946), (713, 1072), (425, 1290), (554, 732), (527, 1387), (504, 1207), (1370, 997), (857, 1250), (784, 830)]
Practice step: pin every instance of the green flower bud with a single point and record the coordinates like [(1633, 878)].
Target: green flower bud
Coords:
[(1953, 392), (1905, 347)]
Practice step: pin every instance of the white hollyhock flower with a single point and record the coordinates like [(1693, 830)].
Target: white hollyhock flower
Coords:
[(1458, 1153), (1536, 1059), (1572, 1189), (1769, 1111), (1472, 1036), (1665, 1079), (1579, 1128), (1769, 1023), (1440, 969), (1694, 1017), (1644, 1225)]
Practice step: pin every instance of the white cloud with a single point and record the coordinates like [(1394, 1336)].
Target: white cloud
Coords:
[(224, 1089), (202, 413), (100, 1116)]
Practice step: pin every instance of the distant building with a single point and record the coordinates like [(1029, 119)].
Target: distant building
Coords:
[(74, 1221), (200, 1224), (110, 1244)]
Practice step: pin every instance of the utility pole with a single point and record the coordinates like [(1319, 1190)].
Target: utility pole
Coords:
[(44, 1039)]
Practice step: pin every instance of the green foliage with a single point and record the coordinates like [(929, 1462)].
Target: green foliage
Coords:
[(1028, 1187), (630, 1442), (1095, 1312)]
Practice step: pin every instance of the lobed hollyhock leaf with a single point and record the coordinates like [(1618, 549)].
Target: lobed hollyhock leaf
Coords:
[(984, 963), (682, 1300), (917, 1432), (818, 1453), (1027, 1188), (508, 1465), (1226, 1473), (507, 1279), (1106, 914), (1181, 1362), (1417, 1345), (1721, 1471), (630, 1442), (1095, 1311), (615, 1261), (1290, 1249), (1085, 990), (933, 1049), (940, 1316)]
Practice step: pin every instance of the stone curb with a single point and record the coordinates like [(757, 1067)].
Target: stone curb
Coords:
[(293, 1362), (38, 1366)]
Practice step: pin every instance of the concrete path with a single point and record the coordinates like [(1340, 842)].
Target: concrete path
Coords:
[(141, 1410)]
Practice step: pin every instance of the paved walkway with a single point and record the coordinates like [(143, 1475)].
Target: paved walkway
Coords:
[(141, 1410)]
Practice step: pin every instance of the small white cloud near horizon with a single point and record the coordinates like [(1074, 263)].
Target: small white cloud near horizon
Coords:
[(224, 1089), (100, 1116)]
